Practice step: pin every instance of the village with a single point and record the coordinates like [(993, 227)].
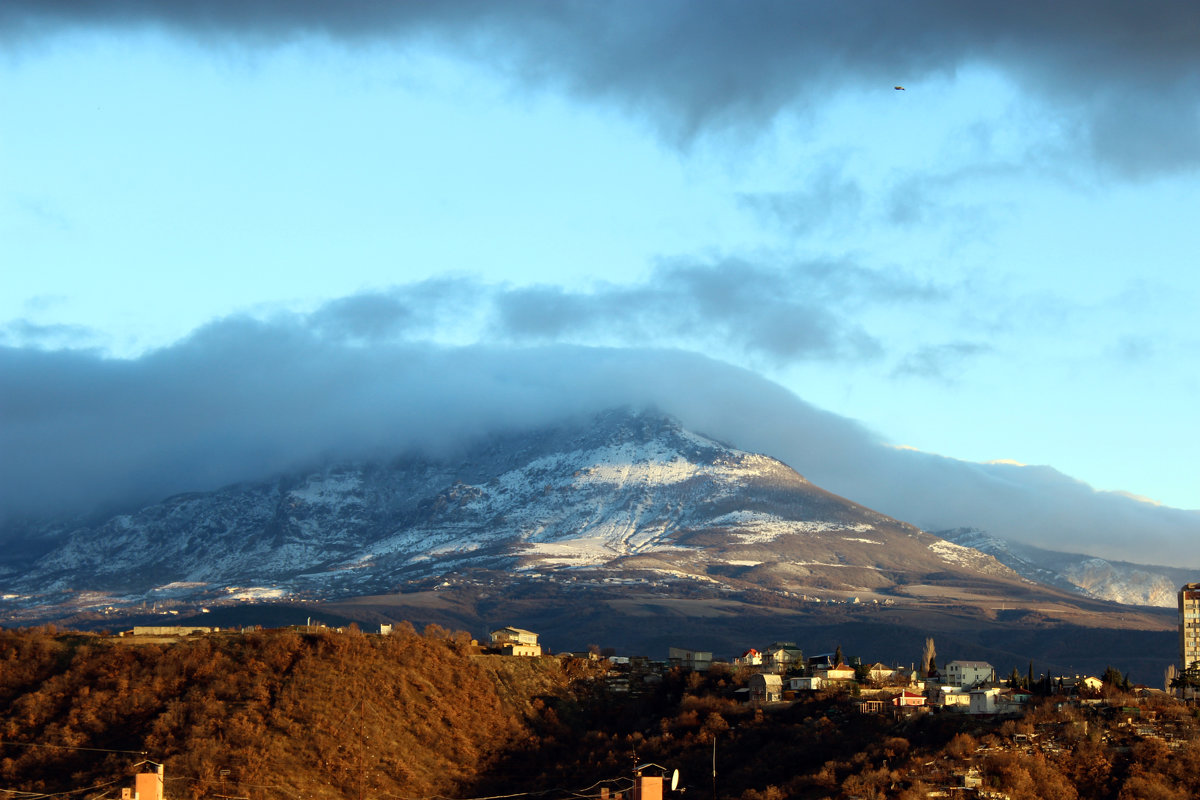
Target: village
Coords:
[(1003, 724), (780, 673)]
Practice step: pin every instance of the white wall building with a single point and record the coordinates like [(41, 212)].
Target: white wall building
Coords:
[(983, 701), (966, 674), (953, 697)]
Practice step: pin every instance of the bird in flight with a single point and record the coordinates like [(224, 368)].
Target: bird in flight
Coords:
[(900, 89)]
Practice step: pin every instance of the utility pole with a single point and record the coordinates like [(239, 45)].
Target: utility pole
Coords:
[(714, 767)]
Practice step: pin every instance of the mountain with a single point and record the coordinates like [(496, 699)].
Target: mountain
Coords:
[(1118, 581), (623, 528), (619, 494)]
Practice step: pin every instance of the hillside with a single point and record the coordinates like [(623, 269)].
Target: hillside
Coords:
[(301, 713), (1118, 581)]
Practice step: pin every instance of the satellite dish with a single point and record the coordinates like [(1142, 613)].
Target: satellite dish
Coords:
[(674, 780)]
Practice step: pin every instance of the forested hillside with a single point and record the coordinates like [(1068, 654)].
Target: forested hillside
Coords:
[(287, 713), (321, 714)]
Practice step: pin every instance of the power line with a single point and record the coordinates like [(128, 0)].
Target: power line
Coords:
[(33, 795), (69, 747), (575, 792)]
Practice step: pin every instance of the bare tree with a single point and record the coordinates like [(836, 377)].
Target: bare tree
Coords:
[(928, 658), (1169, 676)]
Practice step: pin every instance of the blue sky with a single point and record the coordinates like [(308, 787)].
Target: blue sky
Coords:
[(995, 263)]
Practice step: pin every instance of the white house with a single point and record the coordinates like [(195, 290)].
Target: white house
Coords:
[(841, 674), (969, 673), (805, 683), (954, 697), (516, 642), (983, 701), (750, 658)]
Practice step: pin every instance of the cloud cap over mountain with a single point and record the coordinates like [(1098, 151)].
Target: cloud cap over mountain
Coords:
[(242, 399)]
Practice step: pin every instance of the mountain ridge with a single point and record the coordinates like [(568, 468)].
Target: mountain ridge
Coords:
[(1091, 576), (623, 491)]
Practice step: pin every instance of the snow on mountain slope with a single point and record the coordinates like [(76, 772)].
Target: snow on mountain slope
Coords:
[(619, 494), (1119, 582), (1136, 586)]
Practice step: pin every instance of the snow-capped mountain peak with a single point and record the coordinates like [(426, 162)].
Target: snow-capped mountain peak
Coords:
[(622, 494)]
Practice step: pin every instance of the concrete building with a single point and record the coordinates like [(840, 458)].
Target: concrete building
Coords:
[(969, 673), (698, 660), (805, 683), (1013, 701), (1189, 625), (822, 660), (146, 785), (647, 787), (983, 701)]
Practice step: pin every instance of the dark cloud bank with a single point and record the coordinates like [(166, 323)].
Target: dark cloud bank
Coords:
[(1122, 76), (241, 399), (775, 311)]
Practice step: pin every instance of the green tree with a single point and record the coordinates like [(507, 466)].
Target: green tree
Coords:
[(1188, 680)]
